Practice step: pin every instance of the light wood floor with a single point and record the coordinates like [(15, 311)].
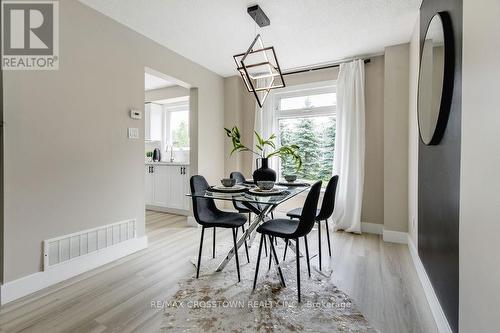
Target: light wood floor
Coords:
[(117, 297)]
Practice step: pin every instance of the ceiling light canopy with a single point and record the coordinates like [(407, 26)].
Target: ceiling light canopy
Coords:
[(258, 66)]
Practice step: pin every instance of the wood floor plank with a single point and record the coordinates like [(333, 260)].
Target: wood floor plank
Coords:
[(117, 297)]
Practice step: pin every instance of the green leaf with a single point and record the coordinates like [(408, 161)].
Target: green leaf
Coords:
[(270, 143), (259, 138), (232, 151)]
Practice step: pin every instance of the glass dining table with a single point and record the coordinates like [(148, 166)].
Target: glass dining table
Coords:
[(261, 204)]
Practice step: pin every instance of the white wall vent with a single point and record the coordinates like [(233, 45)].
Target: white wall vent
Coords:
[(69, 247)]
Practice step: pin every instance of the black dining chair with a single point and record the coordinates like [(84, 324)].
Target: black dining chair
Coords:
[(323, 214), (291, 230), (246, 208), (239, 206), (208, 215)]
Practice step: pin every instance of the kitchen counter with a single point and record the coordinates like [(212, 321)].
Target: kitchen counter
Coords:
[(166, 163)]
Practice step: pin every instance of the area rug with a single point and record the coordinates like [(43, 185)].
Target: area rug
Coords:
[(216, 302)]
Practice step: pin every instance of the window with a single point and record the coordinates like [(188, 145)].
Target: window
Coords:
[(178, 135), (177, 125), (305, 116), (307, 102)]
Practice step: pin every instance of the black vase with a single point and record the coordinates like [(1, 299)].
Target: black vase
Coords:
[(156, 155), (264, 172)]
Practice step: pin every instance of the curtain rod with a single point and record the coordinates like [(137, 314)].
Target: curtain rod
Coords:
[(318, 68)]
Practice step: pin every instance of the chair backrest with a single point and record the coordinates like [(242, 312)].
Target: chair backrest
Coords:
[(202, 207), (328, 204), (240, 179), (308, 217)]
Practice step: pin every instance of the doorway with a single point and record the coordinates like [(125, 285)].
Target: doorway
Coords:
[(167, 142)]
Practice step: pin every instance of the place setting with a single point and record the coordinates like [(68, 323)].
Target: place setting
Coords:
[(228, 185), (259, 188)]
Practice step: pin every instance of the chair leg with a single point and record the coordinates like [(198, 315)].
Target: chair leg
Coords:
[(277, 264), (328, 238), (213, 248), (298, 268), (307, 256), (262, 237), (236, 253), (270, 252), (246, 245), (272, 215), (249, 218), (199, 253), (286, 248), (319, 244), (265, 245)]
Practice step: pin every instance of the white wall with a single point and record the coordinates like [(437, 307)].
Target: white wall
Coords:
[(396, 137), (413, 135), (165, 93), (238, 111), (480, 180), (68, 163)]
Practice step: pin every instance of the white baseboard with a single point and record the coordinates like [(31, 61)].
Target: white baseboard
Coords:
[(168, 210), (388, 235), (395, 236), (372, 228), (436, 309), (13, 290)]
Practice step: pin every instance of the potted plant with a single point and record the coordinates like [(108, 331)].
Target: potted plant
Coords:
[(264, 172)]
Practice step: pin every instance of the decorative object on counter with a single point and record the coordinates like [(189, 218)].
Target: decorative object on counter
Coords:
[(228, 182), (149, 155), (290, 178), (265, 185), (156, 155), (264, 172), (171, 153)]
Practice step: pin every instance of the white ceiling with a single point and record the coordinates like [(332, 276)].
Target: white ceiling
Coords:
[(303, 32), (154, 82)]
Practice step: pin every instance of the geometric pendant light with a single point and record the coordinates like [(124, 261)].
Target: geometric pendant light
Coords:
[(259, 68)]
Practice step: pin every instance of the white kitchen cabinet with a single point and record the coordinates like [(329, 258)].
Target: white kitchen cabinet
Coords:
[(178, 180), (153, 122), (167, 185), (161, 191)]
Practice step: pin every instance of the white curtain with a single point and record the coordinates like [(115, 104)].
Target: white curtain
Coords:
[(349, 160)]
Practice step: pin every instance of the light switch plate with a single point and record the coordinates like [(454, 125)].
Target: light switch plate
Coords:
[(133, 133)]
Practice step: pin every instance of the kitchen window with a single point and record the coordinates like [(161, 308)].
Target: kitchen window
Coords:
[(177, 126), (305, 116)]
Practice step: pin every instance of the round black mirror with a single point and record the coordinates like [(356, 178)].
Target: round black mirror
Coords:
[(435, 83)]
